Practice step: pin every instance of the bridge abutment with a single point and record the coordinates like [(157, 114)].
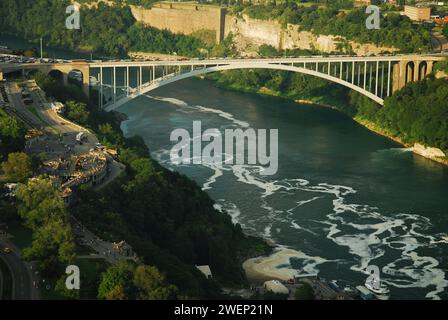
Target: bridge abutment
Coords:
[(83, 67), (409, 71)]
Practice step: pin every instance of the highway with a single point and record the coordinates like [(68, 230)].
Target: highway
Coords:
[(6, 67), (21, 109), (5, 281), (21, 278)]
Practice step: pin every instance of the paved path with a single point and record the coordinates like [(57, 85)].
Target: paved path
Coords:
[(103, 249)]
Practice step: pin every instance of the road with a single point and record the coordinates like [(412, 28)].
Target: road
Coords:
[(19, 107), (438, 41), (21, 273), (5, 281)]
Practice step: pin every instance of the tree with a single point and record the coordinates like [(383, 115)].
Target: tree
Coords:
[(117, 293), (152, 284), (18, 167), (109, 136), (116, 282), (77, 111), (61, 288), (53, 246), (143, 168), (304, 292), (12, 134), (39, 202)]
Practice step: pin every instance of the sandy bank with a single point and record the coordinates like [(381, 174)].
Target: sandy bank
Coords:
[(276, 266)]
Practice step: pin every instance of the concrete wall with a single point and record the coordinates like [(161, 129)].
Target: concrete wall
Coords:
[(184, 18)]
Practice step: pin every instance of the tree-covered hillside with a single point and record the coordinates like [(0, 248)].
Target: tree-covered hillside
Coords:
[(165, 216), (110, 30), (395, 31), (416, 113)]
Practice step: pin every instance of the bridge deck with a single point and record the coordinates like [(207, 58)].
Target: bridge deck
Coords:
[(320, 59)]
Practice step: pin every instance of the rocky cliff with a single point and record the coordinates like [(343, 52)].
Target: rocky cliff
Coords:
[(251, 33), (185, 18)]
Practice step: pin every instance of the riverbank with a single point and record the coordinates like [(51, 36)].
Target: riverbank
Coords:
[(269, 267), (430, 153)]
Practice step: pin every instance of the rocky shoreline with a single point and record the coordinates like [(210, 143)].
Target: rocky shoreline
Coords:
[(430, 153)]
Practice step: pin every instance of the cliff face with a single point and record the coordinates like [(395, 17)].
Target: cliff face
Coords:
[(185, 18), (250, 33)]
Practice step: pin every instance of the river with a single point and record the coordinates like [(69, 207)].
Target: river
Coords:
[(343, 198)]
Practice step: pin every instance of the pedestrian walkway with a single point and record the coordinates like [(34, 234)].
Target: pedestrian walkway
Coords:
[(103, 249)]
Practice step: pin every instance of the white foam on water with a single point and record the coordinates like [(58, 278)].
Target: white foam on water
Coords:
[(222, 114), (298, 227), (174, 101), (301, 203), (362, 229), (217, 172), (267, 232), (230, 208)]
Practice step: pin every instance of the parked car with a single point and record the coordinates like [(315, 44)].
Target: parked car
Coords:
[(7, 250)]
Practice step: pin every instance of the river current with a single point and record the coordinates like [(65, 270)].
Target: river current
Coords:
[(343, 197)]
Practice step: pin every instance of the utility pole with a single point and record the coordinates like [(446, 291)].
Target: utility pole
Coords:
[(41, 48)]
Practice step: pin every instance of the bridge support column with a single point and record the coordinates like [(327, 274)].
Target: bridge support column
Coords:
[(140, 75), (65, 79), (416, 70), (127, 81), (86, 81), (399, 75), (86, 88), (388, 77), (429, 67), (114, 85), (101, 87)]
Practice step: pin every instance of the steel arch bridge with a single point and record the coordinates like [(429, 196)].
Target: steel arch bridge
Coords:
[(375, 77), (120, 81)]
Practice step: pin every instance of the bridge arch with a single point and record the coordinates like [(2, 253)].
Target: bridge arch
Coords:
[(157, 83), (68, 70), (57, 75), (422, 70), (75, 76)]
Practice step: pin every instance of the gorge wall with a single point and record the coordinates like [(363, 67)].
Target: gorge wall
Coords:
[(185, 18), (249, 34)]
